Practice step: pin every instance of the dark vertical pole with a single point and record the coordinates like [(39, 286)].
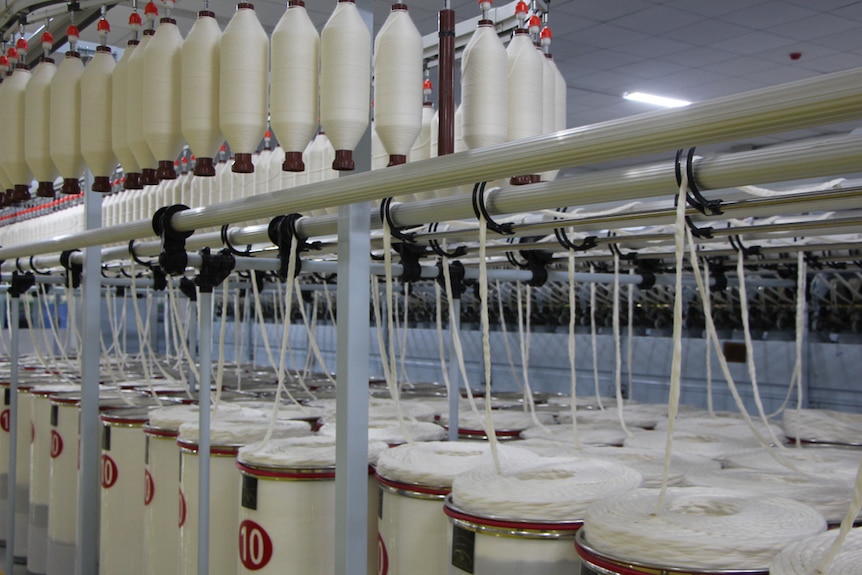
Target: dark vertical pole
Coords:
[(446, 83)]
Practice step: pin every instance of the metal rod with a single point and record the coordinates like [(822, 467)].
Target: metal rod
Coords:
[(825, 99), (205, 299), (13, 434), (446, 83), (91, 324)]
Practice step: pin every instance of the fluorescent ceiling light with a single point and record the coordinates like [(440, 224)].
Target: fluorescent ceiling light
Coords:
[(655, 100)]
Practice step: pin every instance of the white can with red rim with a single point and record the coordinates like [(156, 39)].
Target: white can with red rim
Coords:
[(414, 480), (40, 471), (123, 491), (287, 507), (226, 437)]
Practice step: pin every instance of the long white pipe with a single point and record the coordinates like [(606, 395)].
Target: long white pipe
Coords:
[(825, 99)]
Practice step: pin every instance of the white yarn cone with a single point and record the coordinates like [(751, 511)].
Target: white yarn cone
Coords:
[(66, 122), (484, 88), (243, 74), (398, 84), (134, 108), (294, 91), (526, 67), (37, 128), (162, 98), (96, 120), (12, 128), (345, 81), (200, 91), (119, 116)]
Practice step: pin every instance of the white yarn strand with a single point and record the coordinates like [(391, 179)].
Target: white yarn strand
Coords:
[(486, 338), (676, 361), (594, 341), (707, 302)]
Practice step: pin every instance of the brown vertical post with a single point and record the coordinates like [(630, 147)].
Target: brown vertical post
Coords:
[(446, 84)]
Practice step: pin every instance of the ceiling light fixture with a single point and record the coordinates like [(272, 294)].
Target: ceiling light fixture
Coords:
[(655, 100)]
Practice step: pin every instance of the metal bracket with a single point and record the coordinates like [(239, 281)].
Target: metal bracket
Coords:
[(481, 211), (411, 267), (456, 277), (282, 233), (173, 258), (21, 283), (73, 270), (215, 268), (187, 287)]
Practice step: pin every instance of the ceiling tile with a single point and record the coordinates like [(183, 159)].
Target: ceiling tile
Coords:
[(824, 5), (601, 10), (782, 74), (712, 9), (658, 20), (849, 41), (851, 11), (808, 51), (709, 32), (651, 68), (607, 36), (608, 59), (816, 26), (753, 43), (739, 66), (699, 57), (605, 81), (767, 14), (654, 46), (833, 63)]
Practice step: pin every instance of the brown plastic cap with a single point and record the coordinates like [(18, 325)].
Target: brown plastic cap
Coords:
[(103, 49), (167, 21), (73, 54), (149, 177), (45, 190), (523, 180), (247, 5), (46, 59), (101, 184), (21, 193), (133, 181), (343, 161), (242, 164), (206, 14), (296, 3), (71, 186), (293, 162), (204, 167), (22, 67), (486, 22), (399, 7), (3, 201), (397, 159), (166, 170)]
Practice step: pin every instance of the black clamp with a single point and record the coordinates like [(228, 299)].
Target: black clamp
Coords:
[(395, 231), (225, 240), (73, 270), (215, 268), (535, 261), (647, 268), (693, 196), (21, 283), (187, 288), (458, 252), (615, 250), (481, 212), (282, 233), (173, 258), (588, 242), (135, 257), (457, 273), (744, 251), (33, 267), (160, 278), (717, 274), (410, 265)]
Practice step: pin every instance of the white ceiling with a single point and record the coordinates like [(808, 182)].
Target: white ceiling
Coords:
[(690, 49)]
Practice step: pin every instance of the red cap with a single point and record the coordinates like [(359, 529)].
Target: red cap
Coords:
[(185, 160), (546, 35), (485, 4), (47, 41), (135, 21), (427, 86), (151, 11), (522, 8), (12, 55), (72, 33), (4, 62), (22, 45), (103, 27), (267, 134), (535, 24)]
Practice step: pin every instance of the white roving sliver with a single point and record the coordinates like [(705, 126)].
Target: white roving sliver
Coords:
[(802, 558), (823, 425), (391, 432), (588, 434), (437, 463), (650, 463), (559, 489), (698, 528), (816, 461), (310, 451), (231, 432), (685, 441), (829, 494)]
